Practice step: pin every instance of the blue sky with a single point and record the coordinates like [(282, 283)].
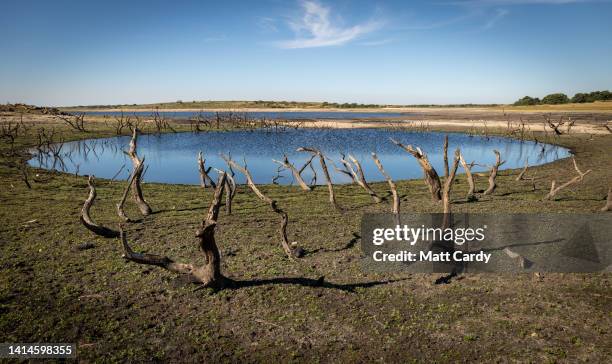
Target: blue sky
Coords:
[(392, 52)]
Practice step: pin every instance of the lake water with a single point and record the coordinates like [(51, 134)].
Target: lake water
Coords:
[(172, 158), (284, 115)]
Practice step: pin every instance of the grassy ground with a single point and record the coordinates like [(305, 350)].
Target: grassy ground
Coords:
[(50, 291)]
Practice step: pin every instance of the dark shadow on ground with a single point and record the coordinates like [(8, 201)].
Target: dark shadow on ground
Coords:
[(347, 246), (306, 282)]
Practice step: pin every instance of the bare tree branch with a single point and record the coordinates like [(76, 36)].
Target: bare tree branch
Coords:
[(493, 173), (208, 274), (143, 206), (273, 205), (396, 199), (205, 179), (86, 218), (554, 190), (296, 174), (330, 185), (431, 176)]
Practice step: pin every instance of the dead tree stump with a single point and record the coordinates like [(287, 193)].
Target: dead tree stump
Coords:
[(330, 185), (205, 179), (493, 173), (396, 199), (469, 176), (208, 274), (86, 218), (143, 206), (431, 176)]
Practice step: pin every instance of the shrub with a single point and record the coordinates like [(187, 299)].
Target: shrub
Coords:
[(527, 100), (557, 98)]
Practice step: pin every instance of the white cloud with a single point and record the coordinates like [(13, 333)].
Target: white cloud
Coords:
[(315, 29)]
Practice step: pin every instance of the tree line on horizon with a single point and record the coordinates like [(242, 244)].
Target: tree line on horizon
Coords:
[(561, 98)]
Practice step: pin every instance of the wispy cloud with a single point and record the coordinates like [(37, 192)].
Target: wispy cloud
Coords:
[(315, 29), (499, 15), (268, 24)]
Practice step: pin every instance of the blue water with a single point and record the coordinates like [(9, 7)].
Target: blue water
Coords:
[(171, 158), (286, 115)]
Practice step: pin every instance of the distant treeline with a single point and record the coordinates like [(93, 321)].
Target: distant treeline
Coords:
[(560, 98)]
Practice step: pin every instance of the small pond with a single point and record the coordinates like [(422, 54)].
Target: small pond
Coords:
[(172, 158)]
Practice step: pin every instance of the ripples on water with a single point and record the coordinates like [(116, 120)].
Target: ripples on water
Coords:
[(172, 158)]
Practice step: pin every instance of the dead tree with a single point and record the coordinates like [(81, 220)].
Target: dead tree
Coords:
[(330, 185), (77, 122), (608, 205), (522, 174), (230, 191), (205, 179), (358, 176), (446, 156), (431, 176), (555, 127), (296, 174), (554, 190), (135, 172), (396, 199), (291, 253), (86, 218), (143, 206), (208, 274), (448, 183), (313, 181), (493, 173), (470, 178)]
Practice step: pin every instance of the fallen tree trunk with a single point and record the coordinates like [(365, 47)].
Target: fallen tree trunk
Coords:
[(431, 176), (86, 218), (330, 186), (493, 173), (296, 174), (143, 206), (205, 179), (396, 199), (554, 190), (608, 205), (273, 205), (470, 178), (208, 274)]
